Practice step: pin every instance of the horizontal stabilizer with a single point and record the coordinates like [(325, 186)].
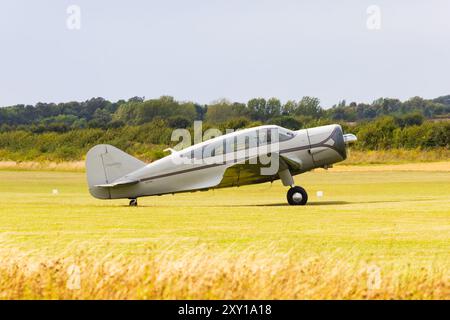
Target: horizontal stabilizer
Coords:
[(116, 184)]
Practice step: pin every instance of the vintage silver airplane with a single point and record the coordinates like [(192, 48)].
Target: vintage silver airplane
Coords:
[(249, 156)]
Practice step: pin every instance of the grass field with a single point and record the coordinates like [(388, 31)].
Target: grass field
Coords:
[(374, 234)]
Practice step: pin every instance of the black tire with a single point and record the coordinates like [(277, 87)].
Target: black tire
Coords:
[(297, 196), (133, 203)]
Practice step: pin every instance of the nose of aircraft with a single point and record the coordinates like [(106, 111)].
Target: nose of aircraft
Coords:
[(342, 140), (331, 137)]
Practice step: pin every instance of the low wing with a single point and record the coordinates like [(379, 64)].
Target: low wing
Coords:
[(245, 173), (292, 163)]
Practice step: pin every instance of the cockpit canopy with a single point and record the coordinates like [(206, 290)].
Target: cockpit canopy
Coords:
[(239, 140)]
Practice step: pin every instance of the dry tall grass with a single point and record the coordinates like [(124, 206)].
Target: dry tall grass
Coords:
[(443, 166), (203, 274), (396, 156), (76, 166)]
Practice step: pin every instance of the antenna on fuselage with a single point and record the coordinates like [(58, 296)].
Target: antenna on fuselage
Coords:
[(171, 150)]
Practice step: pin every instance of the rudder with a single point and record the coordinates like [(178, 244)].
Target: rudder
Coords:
[(106, 163)]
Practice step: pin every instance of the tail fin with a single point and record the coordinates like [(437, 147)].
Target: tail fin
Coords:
[(104, 164)]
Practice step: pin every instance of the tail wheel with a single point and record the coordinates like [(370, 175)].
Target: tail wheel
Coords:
[(133, 203), (297, 196)]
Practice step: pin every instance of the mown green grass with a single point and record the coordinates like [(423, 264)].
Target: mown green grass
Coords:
[(385, 217)]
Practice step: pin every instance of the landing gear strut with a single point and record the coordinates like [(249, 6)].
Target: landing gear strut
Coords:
[(133, 202), (297, 196)]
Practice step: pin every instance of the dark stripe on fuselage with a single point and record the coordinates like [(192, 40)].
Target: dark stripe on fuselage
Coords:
[(183, 171)]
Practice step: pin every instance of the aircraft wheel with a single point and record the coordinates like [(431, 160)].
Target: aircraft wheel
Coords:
[(133, 203), (297, 196)]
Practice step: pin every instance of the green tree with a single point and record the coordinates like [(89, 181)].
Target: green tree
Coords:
[(309, 106), (273, 108), (257, 108)]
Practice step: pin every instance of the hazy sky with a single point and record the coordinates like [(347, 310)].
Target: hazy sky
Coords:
[(203, 50)]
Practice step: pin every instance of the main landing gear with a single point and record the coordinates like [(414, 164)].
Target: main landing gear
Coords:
[(133, 202), (297, 196)]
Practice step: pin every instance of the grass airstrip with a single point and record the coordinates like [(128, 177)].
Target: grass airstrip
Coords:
[(377, 232)]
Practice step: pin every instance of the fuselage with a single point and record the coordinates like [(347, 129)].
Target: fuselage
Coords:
[(235, 159)]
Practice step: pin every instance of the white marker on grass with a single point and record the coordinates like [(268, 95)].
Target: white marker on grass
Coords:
[(55, 191), (319, 194)]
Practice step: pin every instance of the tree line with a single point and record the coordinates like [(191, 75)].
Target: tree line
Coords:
[(104, 114), (142, 127)]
